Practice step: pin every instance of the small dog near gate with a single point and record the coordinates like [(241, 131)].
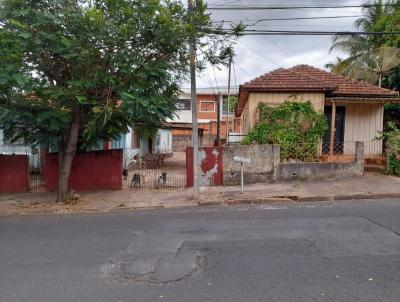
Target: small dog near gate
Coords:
[(162, 180), (135, 181), (125, 174)]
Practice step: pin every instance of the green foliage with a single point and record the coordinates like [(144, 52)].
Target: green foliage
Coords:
[(295, 126), (392, 137), (370, 57), (83, 57), (232, 103), (392, 114), (394, 164), (361, 60)]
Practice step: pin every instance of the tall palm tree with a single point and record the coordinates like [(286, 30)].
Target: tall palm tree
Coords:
[(368, 58)]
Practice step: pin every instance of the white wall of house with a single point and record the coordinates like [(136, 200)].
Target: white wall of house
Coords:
[(163, 141), (182, 116), (129, 152)]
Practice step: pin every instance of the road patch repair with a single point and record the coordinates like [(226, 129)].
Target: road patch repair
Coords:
[(369, 186), (158, 258)]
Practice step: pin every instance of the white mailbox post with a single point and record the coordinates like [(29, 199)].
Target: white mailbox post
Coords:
[(242, 161)]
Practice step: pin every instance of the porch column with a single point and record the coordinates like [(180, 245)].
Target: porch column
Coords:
[(333, 129)]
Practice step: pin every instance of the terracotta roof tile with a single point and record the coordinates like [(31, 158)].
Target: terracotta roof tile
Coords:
[(308, 78)]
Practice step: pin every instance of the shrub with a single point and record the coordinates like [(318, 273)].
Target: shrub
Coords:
[(295, 126), (394, 164), (392, 137)]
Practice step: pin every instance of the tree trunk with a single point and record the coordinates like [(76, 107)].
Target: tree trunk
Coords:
[(66, 155), (60, 164)]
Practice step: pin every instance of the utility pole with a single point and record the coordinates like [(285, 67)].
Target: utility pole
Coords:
[(195, 130), (229, 95), (219, 114)]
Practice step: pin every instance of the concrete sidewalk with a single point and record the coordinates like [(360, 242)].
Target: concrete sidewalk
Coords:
[(368, 186)]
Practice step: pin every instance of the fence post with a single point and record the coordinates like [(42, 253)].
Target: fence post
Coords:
[(387, 151), (276, 151), (360, 156)]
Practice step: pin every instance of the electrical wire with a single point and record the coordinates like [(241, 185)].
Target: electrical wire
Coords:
[(255, 32), (294, 7), (285, 19), (244, 71), (215, 78), (262, 56)]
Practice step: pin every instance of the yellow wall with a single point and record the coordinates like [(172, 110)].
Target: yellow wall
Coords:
[(244, 122), (250, 114), (362, 123)]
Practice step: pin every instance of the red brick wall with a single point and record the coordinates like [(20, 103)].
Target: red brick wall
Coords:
[(14, 173), (213, 158), (97, 170)]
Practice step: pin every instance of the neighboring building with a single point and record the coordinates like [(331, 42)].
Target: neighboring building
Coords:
[(357, 106), (137, 145), (207, 113), (20, 148)]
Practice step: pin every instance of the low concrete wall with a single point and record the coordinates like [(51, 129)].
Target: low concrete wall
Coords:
[(323, 170), (264, 162)]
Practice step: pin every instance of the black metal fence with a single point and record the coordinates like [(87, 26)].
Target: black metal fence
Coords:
[(36, 182), (374, 148), (171, 174)]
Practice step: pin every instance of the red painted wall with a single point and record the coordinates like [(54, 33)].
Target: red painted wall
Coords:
[(14, 173), (97, 170), (212, 156)]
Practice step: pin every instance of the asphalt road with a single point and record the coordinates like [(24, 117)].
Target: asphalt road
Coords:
[(345, 251)]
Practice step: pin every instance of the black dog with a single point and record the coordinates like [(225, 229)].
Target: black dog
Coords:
[(162, 179), (135, 180)]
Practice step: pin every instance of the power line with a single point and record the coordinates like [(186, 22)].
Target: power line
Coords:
[(226, 3), (234, 73), (215, 78), (210, 82), (256, 32), (244, 71), (293, 7), (257, 53), (287, 19), (269, 26)]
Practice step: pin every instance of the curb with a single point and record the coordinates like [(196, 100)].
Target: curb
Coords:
[(267, 200)]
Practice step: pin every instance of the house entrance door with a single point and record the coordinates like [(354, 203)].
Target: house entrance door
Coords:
[(338, 146)]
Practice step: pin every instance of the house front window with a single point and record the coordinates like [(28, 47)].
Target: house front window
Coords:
[(207, 106), (183, 104)]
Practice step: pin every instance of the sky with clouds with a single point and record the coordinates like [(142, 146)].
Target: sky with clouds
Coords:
[(256, 55)]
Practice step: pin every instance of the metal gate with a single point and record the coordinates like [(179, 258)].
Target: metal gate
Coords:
[(168, 172), (36, 177)]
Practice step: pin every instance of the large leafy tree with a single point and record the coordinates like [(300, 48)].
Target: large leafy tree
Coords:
[(74, 71), (369, 57), (373, 58)]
